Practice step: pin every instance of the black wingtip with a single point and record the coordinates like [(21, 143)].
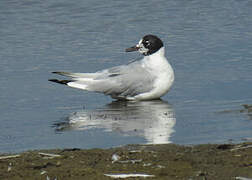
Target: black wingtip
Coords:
[(60, 81)]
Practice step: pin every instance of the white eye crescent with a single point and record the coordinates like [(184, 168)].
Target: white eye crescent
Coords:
[(147, 43)]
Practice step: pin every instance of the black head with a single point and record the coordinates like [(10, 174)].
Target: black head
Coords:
[(148, 45)]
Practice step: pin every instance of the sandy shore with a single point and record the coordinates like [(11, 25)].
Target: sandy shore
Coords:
[(225, 161)]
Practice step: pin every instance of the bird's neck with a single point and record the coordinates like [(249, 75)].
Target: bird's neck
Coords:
[(156, 61), (159, 55)]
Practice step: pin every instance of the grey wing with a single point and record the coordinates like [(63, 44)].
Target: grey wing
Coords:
[(124, 81), (77, 75)]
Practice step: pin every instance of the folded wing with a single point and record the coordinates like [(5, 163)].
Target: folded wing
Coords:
[(118, 82)]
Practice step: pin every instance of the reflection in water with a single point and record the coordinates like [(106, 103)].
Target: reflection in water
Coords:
[(248, 109), (153, 120)]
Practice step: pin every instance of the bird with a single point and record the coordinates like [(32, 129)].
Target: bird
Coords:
[(146, 79)]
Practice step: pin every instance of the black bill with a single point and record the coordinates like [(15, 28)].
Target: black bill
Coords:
[(134, 48)]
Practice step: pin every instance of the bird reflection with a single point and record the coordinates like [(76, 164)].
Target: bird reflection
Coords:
[(153, 120)]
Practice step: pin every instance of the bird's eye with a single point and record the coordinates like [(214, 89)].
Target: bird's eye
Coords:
[(147, 43)]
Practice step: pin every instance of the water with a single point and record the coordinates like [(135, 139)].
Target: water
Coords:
[(209, 44)]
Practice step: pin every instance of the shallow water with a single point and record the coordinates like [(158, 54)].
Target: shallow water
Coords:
[(209, 44)]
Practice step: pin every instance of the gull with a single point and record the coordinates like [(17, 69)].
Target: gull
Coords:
[(146, 79)]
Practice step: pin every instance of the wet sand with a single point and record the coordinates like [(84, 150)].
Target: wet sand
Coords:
[(170, 161)]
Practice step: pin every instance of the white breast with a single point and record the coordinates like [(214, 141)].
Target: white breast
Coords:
[(157, 64)]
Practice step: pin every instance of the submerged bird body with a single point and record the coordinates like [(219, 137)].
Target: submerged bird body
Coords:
[(146, 79)]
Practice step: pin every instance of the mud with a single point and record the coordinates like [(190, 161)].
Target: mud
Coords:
[(225, 161)]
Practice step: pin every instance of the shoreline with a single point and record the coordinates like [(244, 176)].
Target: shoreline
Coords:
[(168, 161)]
